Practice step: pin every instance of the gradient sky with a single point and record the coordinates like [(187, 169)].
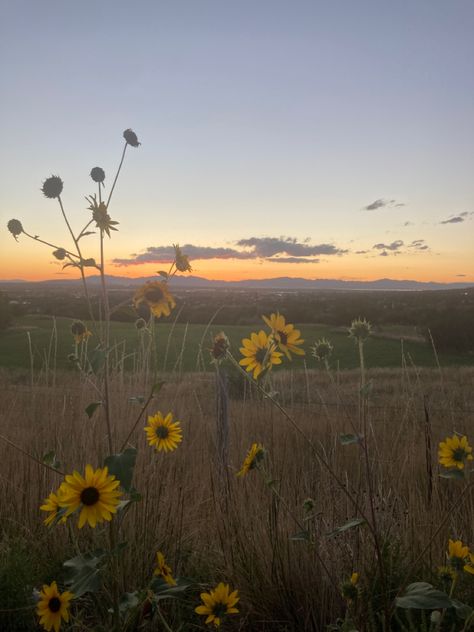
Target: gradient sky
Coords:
[(258, 120)]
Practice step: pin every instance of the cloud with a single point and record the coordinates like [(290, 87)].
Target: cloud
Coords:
[(419, 244), (293, 260), (269, 246), (408, 224), (461, 275), (457, 219), (361, 252), (395, 245), (382, 203), (276, 249), (384, 254)]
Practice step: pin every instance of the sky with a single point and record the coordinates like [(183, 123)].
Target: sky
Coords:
[(307, 138)]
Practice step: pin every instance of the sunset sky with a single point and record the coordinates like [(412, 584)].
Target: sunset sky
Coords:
[(308, 138)]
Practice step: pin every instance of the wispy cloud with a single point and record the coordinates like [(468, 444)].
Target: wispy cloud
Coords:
[(395, 245), (457, 219), (419, 244), (274, 249), (382, 203)]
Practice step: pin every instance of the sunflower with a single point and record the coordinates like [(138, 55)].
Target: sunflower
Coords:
[(287, 337), (96, 493), (53, 606), (157, 296), (349, 588), (218, 603), (260, 353), (80, 331), (254, 456), (181, 260), (163, 433), (457, 553), (51, 504), (163, 570), (453, 451), (469, 567)]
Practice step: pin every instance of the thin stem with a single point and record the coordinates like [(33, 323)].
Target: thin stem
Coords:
[(163, 620), (137, 421), (117, 175), (105, 300), (46, 243), (30, 456)]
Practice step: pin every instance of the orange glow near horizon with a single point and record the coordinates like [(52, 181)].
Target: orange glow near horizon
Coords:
[(349, 267)]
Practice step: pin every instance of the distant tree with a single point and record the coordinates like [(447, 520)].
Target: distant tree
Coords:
[(5, 311)]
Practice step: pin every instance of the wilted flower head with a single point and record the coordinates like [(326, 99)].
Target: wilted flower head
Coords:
[(181, 261), (15, 227), (131, 138), (360, 329), (140, 324), (220, 346), (308, 505), (52, 187), (252, 459), (100, 216), (60, 254), (322, 349), (98, 174), (349, 588), (80, 331)]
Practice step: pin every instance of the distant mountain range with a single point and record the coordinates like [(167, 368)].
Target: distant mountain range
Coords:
[(279, 283)]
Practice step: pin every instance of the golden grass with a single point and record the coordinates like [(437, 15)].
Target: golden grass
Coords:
[(234, 530)]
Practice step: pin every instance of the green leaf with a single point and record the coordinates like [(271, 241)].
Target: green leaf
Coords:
[(347, 439), (456, 474), (96, 360), (82, 573), (355, 522), (157, 387), (300, 536), (463, 611), (423, 596), (121, 466), (139, 399), (128, 601), (50, 459), (91, 408), (163, 590), (163, 274)]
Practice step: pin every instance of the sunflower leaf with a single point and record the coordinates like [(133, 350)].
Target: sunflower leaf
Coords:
[(91, 408), (82, 573), (163, 590), (129, 601), (162, 273), (348, 439), (456, 474), (121, 466), (49, 458), (463, 611), (355, 522), (423, 596), (138, 399)]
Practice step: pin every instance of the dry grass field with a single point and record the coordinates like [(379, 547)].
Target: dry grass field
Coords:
[(214, 526)]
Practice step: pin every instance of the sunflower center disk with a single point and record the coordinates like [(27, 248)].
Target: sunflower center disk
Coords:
[(89, 496), (459, 454), (283, 337), (219, 610), (260, 356), (154, 295), (162, 432), (54, 604)]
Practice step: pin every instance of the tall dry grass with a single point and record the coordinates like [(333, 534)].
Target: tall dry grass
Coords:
[(236, 530)]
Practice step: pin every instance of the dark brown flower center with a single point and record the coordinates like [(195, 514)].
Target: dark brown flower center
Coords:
[(261, 355), (54, 604), (283, 337), (162, 432), (154, 295), (219, 609), (89, 496), (459, 454)]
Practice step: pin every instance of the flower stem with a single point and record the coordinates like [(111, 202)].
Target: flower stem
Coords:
[(117, 175)]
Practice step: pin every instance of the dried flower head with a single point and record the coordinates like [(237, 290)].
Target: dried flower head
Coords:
[(308, 505), (52, 187), (220, 346), (98, 174), (80, 331), (360, 329), (322, 349), (15, 227), (100, 215), (131, 138), (181, 261), (60, 254), (140, 324)]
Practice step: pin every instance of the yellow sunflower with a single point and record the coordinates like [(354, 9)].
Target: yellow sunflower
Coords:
[(96, 493), (285, 334), (51, 504), (259, 353), (453, 451), (349, 588), (218, 603), (457, 554), (53, 606), (163, 570), (163, 433), (254, 455), (157, 296), (469, 567)]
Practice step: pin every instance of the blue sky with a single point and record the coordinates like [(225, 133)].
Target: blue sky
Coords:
[(257, 119)]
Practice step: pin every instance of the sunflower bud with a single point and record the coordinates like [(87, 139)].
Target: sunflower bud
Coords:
[(52, 187), (308, 505), (15, 227), (98, 174), (60, 254), (322, 349), (140, 324), (220, 346), (360, 329), (131, 138), (181, 261), (100, 216)]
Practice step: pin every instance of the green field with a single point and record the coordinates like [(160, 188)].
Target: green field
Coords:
[(178, 347)]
